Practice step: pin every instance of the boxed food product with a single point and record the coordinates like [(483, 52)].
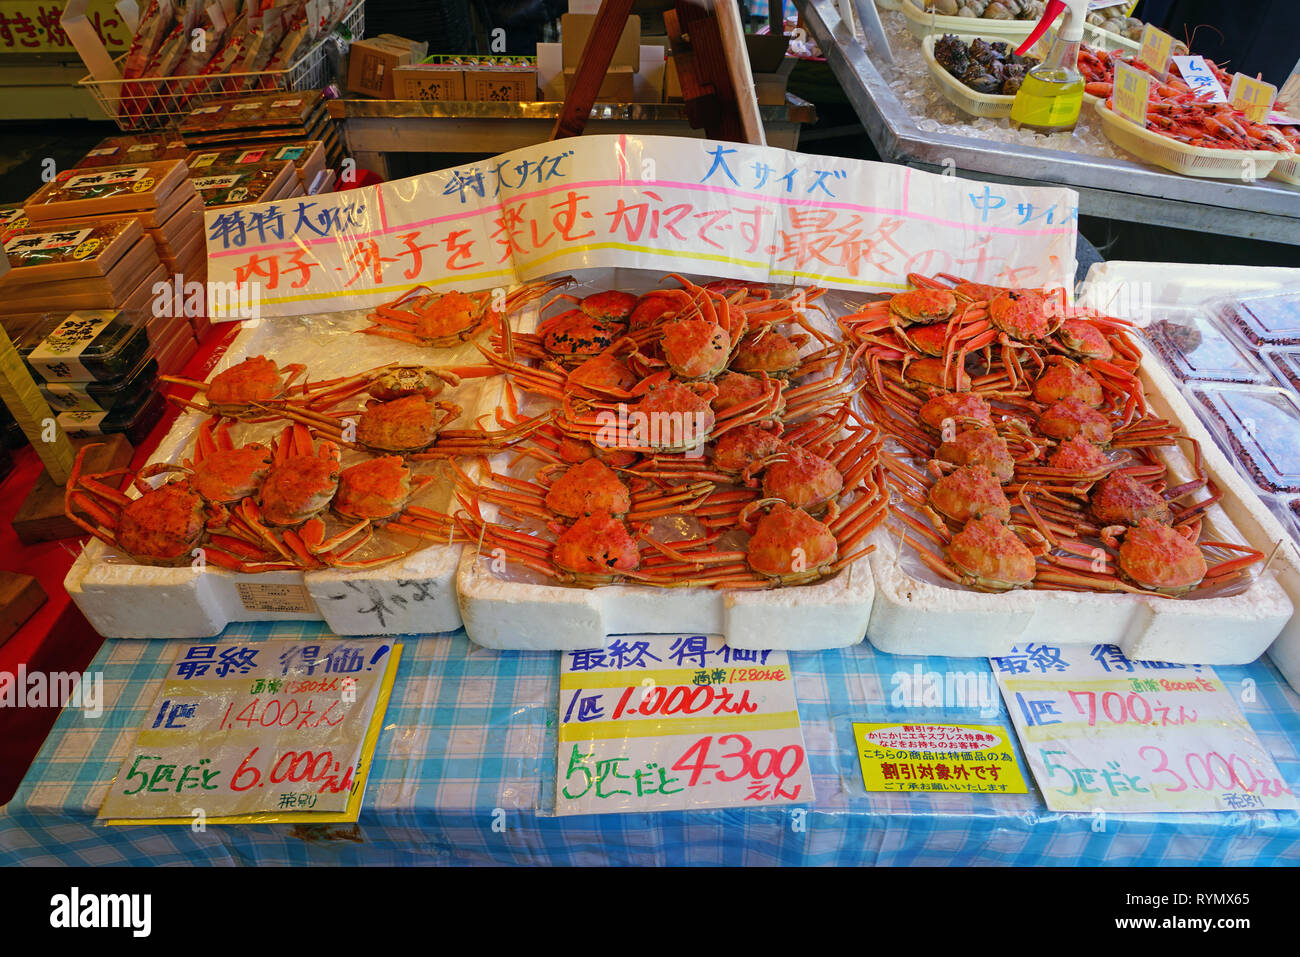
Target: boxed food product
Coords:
[(1258, 425), (89, 346), (1269, 319), (1195, 347), (135, 421), (103, 396), (371, 63), (43, 255), (102, 192), (237, 185), (429, 81)]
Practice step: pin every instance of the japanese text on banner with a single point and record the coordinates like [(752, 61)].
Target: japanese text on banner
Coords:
[(659, 203)]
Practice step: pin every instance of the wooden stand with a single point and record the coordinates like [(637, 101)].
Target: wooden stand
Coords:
[(708, 45), (41, 517), (20, 597)]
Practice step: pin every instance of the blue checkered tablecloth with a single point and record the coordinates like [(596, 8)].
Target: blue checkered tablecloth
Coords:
[(469, 740)]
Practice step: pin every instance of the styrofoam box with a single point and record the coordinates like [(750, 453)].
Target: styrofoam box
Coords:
[(914, 616), (414, 595), (506, 614)]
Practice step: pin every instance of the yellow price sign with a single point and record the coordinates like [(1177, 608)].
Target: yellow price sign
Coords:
[(1156, 48), (1131, 92), (971, 758), (1252, 97)]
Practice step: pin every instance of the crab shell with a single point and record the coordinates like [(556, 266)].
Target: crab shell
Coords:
[(301, 487), (680, 417), (736, 388), (1077, 454), (971, 491), (226, 476), (163, 526), (1082, 338), (451, 315), (401, 381), (1022, 314), (374, 489), (575, 333), (929, 340), (951, 406), (736, 450), (610, 305), (922, 305), (596, 549), (1070, 417), (928, 374), (979, 446), (1120, 499), (777, 536), (1161, 558), (658, 306), (695, 348), (990, 557), (603, 373), (977, 291), (802, 479), (1064, 379), (587, 489), (409, 424), (256, 379), (766, 351)]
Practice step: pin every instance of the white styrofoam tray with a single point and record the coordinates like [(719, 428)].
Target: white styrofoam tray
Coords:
[(918, 616), (511, 614), (414, 595)]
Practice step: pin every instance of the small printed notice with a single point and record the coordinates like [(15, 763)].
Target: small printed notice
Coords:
[(972, 758), (1103, 732), (257, 732), (1197, 74), (666, 722), (281, 599), (1132, 91)]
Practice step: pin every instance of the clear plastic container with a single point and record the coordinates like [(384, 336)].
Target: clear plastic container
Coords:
[(1267, 319), (135, 421), (1286, 366), (1260, 427), (87, 346), (1196, 348), (103, 396)]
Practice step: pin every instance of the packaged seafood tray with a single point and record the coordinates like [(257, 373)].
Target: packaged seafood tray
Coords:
[(1195, 346), (1259, 425), (958, 93), (1266, 318), (415, 594), (1179, 157), (1251, 509), (507, 607)]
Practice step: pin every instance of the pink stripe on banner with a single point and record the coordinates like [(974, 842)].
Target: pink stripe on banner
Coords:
[(691, 187)]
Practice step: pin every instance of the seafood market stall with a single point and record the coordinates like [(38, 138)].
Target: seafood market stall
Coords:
[(909, 122)]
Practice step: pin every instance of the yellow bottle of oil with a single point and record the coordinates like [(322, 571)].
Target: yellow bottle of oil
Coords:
[(1051, 94)]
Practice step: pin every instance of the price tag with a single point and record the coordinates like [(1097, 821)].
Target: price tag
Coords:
[(1103, 732), (663, 722), (249, 728), (1253, 97), (1198, 75), (1156, 48), (1131, 93)]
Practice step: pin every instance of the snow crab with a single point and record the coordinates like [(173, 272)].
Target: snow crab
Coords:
[(443, 319), (242, 391)]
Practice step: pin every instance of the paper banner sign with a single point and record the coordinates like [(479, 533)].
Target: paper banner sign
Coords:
[(1103, 732), (661, 722), (255, 731), (662, 203)]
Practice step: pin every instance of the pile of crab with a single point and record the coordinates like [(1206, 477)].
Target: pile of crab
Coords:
[(291, 503), (1024, 453), (697, 435)]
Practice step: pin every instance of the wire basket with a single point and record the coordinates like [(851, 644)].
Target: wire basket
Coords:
[(158, 103), (1179, 157)]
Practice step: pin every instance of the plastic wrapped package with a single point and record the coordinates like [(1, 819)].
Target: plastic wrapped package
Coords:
[(89, 346), (1266, 319), (1258, 425), (1196, 347)]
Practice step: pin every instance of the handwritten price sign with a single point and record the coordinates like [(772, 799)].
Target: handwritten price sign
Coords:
[(660, 203), (258, 728), (1101, 731), (658, 722)]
